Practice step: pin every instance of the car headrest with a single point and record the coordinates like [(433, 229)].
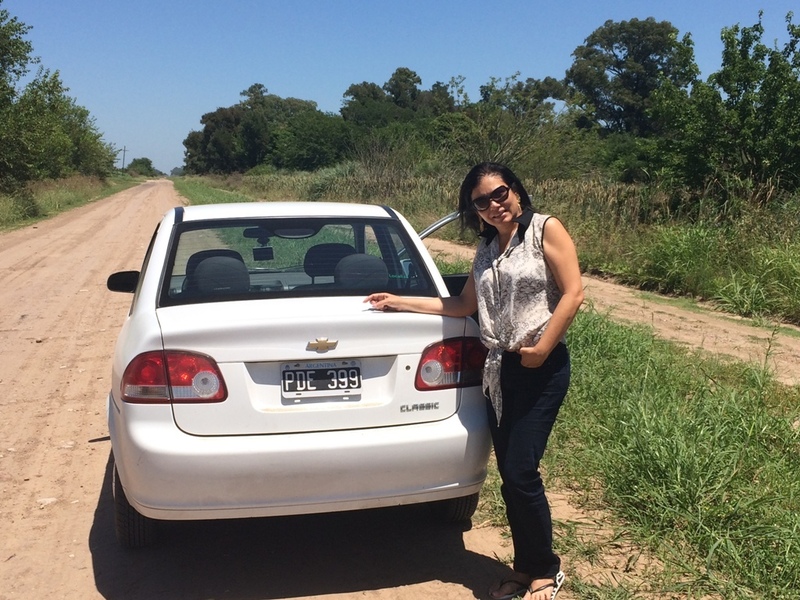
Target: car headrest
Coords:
[(221, 275), (361, 271), (322, 259), (195, 258)]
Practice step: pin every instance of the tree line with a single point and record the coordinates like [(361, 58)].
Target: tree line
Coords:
[(44, 134), (631, 107)]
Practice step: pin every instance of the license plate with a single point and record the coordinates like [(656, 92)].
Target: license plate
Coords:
[(321, 380)]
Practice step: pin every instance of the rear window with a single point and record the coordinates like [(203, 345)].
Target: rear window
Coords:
[(213, 261)]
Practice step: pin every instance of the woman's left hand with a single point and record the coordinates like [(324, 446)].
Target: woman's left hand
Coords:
[(533, 356)]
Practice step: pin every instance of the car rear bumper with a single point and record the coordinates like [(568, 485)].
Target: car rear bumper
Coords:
[(167, 474)]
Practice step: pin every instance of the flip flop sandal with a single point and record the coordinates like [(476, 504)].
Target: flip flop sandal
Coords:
[(555, 584), (517, 593)]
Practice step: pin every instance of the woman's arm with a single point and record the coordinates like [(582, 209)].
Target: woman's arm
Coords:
[(462, 305), (562, 258)]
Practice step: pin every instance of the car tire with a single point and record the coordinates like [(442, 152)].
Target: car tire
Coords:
[(456, 510), (133, 529)]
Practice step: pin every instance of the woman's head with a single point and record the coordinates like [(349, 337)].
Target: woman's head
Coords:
[(469, 215)]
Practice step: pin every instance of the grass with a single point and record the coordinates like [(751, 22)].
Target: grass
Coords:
[(45, 199), (421, 200), (199, 192), (748, 265), (697, 459), (452, 266)]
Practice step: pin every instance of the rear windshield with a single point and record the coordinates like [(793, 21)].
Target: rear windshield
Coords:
[(213, 261)]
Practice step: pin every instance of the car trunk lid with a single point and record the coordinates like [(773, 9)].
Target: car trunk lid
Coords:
[(319, 346)]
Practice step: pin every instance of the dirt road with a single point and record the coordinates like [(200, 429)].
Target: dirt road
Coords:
[(59, 324)]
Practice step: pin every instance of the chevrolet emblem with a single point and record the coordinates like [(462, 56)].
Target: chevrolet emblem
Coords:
[(322, 344)]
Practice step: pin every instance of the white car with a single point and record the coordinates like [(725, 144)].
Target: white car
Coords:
[(250, 379)]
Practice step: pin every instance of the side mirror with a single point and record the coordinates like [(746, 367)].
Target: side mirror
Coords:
[(123, 281)]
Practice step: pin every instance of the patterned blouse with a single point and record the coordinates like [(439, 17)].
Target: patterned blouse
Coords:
[(517, 295)]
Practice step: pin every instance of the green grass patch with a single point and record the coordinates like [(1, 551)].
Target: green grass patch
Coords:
[(201, 191), (697, 458), (452, 266)]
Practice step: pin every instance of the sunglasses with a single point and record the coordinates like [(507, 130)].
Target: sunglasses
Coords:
[(499, 194)]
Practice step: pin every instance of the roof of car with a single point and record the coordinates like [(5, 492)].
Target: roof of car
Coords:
[(283, 209)]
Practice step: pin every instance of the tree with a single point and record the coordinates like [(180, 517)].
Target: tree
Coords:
[(620, 66), (311, 141), (143, 166), (254, 95), (436, 101), (217, 148), (760, 87), (263, 116), (505, 121), (367, 105), (44, 132), (737, 132), (400, 100), (15, 54), (90, 154), (14, 64), (402, 87), (194, 159), (264, 128)]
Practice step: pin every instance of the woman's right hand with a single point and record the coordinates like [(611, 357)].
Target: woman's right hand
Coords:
[(454, 306), (384, 301)]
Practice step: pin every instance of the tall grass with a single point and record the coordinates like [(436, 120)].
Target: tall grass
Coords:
[(699, 459), (44, 199), (746, 259)]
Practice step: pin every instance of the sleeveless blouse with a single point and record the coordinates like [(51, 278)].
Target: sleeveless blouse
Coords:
[(516, 294)]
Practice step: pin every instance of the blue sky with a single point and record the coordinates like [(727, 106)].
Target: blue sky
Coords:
[(147, 70)]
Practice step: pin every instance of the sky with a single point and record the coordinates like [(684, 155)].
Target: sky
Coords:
[(148, 70)]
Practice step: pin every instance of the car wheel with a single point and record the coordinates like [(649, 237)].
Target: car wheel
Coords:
[(133, 529), (456, 510)]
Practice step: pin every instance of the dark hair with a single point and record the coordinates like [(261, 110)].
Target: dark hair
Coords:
[(468, 216)]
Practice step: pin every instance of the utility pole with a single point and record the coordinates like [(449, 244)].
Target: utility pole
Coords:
[(123, 156)]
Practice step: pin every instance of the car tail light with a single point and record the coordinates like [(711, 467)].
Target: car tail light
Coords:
[(173, 376), (456, 362)]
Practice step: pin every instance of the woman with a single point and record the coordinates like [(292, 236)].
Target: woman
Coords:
[(525, 284)]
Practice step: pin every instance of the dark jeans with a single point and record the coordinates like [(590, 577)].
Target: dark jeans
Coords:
[(531, 400)]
